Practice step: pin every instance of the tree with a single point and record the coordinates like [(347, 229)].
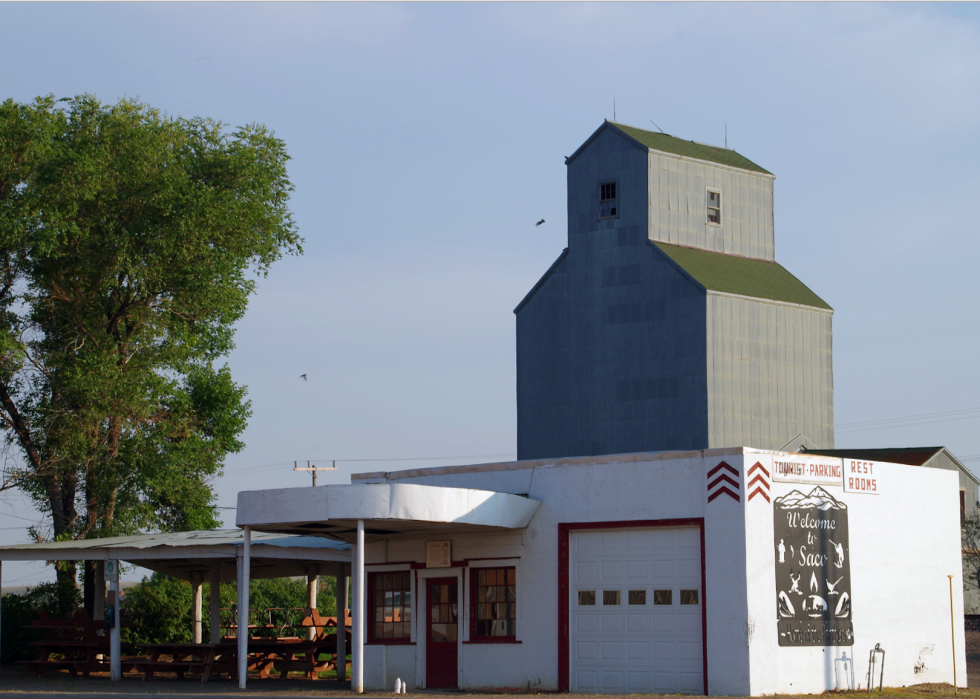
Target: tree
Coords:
[(130, 242)]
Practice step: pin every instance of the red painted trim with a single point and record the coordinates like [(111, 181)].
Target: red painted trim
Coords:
[(391, 563), (471, 589), (563, 585), (759, 491), (721, 490), (721, 466), (759, 467), (422, 565), (704, 616), (371, 640), (722, 478)]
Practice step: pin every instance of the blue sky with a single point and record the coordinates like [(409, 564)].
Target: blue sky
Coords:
[(426, 140)]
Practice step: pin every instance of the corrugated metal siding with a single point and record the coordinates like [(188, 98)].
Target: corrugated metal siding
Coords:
[(678, 207), (610, 348), (769, 373)]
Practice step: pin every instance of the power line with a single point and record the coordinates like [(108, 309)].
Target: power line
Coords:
[(280, 464), (910, 420)]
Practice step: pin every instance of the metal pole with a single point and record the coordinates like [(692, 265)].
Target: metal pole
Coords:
[(196, 607), (243, 577), (115, 647), (342, 622), (952, 630), (215, 602), (359, 602), (312, 583)]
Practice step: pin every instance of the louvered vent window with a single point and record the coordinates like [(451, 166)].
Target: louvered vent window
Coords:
[(607, 200)]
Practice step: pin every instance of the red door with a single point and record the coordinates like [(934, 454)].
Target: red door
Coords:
[(442, 633)]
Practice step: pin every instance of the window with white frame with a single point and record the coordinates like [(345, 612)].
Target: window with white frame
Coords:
[(714, 206)]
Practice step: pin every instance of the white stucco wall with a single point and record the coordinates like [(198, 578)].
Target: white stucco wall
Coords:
[(902, 545)]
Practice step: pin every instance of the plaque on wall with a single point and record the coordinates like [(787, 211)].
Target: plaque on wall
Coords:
[(438, 554), (813, 570)]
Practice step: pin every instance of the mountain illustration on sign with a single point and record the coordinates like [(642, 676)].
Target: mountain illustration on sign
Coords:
[(818, 498)]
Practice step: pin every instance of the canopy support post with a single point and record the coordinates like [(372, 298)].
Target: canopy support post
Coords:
[(244, 562), (341, 621), (312, 583), (359, 606), (215, 602), (115, 646), (196, 581)]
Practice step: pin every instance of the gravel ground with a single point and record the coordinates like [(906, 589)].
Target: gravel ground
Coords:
[(15, 680)]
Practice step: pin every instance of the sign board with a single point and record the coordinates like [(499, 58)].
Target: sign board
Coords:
[(863, 477), (813, 570), (438, 554), (804, 468), (112, 571)]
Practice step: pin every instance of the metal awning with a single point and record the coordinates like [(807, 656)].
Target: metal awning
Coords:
[(190, 555), (387, 509)]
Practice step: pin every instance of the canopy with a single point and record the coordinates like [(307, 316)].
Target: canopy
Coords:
[(387, 509), (190, 555)]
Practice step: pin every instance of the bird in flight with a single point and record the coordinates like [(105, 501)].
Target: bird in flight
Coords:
[(303, 376), (539, 222)]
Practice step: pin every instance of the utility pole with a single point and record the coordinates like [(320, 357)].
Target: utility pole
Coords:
[(313, 468)]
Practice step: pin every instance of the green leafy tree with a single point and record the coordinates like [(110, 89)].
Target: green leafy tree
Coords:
[(130, 242), (158, 610)]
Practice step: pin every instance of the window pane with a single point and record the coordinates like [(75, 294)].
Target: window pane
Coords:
[(435, 613), (408, 614), (379, 597), (663, 596), (407, 597), (638, 597), (435, 594), (481, 594), (481, 577), (586, 598), (481, 628), (511, 628), (610, 598), (453, 591), (379, 630), (689, 596), (512, 576), (511, 593), (491, 594)]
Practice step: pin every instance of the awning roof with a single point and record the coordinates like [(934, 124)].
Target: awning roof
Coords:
[(185, 554), (388, 510)]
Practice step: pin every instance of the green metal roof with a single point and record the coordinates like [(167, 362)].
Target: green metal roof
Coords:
[(745, 276), (689, 149)]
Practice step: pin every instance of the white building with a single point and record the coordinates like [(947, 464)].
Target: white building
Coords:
[(726, 571)]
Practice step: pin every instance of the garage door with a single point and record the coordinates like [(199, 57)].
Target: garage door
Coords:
[(635, 597)]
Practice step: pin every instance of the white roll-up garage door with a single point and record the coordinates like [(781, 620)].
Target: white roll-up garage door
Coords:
[(635, 597)]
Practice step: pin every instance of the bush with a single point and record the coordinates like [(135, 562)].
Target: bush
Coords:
[(159, 608), (59, 600)]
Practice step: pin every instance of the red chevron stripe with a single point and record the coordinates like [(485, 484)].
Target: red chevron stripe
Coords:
[(719, 479), (720, 491), (759, 491), (759, 467), (721, 466), (759, 479)]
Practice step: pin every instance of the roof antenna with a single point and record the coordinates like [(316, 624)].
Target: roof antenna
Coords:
[(655, 124)]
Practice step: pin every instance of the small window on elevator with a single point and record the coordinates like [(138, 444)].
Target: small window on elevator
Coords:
[(714, 207), (608, 207)]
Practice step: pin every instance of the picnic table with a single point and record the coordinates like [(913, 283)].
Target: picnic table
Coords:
[(81, 649), (207, 658), (283, 655)]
